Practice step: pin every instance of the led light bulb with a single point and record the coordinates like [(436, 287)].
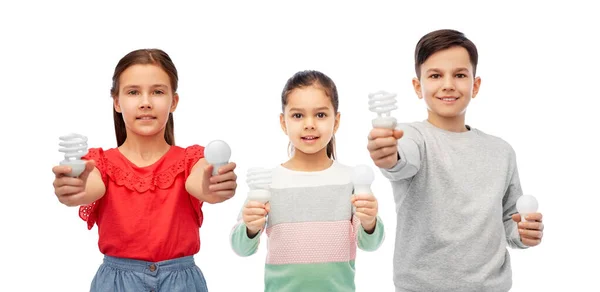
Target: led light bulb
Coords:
[(259, 181), (74, 147), (217, 153), (526, 204), (383, 103), (362, 178)]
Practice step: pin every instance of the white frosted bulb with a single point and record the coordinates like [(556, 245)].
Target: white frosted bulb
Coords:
[(526, 204), (383, 103), (259, 182), (362, 178), (217, 153), (74, 147)]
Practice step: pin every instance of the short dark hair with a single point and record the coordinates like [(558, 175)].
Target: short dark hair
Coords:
[(442, 39)]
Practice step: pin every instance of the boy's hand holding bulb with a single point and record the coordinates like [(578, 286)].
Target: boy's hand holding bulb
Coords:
[(383, 137)]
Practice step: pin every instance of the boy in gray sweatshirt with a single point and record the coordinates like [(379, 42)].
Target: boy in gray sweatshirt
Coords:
[(455, 187)]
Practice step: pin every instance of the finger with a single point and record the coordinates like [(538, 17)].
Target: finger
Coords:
[(530, 242), (224, 186), (253, 218), (258, 223), (255, 204), (381, 143), (398, 134), (365, 204), (365, 218), (268, 207), (67, 191), (364, 197), (223, 177), (383, 153), (531, 225), (227, 168), (516, 217), (68, 181), (366, 212), (61, 170), (225, 194), (255, 211), (534, 217), (380, 133), (387, 161), (71, 200), (208, 169), (532, 234)]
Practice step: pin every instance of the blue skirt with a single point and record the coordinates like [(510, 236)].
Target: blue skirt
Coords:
[(121, 275)]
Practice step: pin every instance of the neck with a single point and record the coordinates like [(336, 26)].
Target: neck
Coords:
[(144, 150), (309, 162), (453, 124)]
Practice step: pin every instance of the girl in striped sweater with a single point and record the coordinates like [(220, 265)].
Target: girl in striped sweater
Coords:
[(312, 229)]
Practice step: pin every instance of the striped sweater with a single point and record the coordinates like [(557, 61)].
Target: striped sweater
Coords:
[(312, 232)]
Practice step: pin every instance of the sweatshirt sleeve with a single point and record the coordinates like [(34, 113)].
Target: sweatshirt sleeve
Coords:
[(410, 148), (241, 244), (370, 242), (509, 207)]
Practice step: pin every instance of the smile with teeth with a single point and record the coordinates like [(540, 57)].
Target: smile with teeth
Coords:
[(447, 98), (310, 138)]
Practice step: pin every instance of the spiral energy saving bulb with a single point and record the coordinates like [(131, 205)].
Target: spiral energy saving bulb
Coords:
[(259, 181), (383, 103), (217, 153), (74, 147), (526, 204), (362, 178)]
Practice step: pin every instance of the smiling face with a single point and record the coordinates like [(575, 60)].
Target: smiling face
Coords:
[(309, 119), (145, 99), (447, 83)]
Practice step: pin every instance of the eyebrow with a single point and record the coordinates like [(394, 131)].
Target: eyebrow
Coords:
[(438, 70), (323, 108), (152, 86)]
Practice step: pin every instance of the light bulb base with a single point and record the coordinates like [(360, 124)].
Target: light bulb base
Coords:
[(260, 195), (384, 122), (362, 189), (77, 167), (216, 167)]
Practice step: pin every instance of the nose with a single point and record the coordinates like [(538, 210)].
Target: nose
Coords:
[(309, 124), (448, 83), (145, 102)]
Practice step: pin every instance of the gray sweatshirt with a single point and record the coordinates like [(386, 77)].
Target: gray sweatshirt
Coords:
[(455, 194)]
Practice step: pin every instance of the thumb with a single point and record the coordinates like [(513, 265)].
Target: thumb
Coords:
[(89, 167), (516, 217), (208, 169), (398, 134)]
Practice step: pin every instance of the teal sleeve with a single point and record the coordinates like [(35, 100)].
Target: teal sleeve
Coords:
[(371, 242), (240, 242)]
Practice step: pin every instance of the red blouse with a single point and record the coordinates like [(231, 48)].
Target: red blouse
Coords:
[(146, 213)]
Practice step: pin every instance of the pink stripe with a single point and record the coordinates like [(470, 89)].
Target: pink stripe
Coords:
[(311, 242)]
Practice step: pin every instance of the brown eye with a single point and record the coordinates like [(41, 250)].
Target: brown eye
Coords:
[(434, 76), (321, 115), (297, 115)]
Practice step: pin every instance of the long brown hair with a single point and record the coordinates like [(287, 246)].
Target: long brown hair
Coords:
[(309, 78), (143, 57)]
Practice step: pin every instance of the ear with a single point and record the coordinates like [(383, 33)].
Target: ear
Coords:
[(174, 102), (417, 86), (116, 104), (476, 85), (282, 123), (337, 122)]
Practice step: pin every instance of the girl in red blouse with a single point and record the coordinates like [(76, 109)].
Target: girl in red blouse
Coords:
[(146, 195)]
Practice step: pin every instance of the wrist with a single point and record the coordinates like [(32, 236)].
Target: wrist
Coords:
[(369, 227)]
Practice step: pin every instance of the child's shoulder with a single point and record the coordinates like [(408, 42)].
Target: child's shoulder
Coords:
[(494, 142)]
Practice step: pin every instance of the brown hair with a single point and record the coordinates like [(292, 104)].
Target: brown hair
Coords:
[(143, 57), (313, 78), (439, 40)]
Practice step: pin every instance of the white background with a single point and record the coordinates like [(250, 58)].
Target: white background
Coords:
[(538, 63)]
